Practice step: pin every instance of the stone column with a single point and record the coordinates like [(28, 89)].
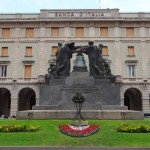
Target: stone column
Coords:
[(37, 96), (146, 105), (14, 101), (122, 90)]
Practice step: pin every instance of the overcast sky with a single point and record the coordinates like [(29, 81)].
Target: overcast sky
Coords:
[(34, 6)]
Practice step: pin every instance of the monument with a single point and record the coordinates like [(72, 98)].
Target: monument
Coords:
[(98, 85)]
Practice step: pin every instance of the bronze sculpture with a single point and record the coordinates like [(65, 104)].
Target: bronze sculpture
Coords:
[(99, 68), (78, 99)]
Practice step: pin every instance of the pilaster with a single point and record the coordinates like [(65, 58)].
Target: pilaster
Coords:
[(42, 29), (42, 58), (14, 102), (144, 60), (16, 60), (117, 58), (66, 31)]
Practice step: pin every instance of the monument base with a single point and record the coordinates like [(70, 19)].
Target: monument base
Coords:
[(102, 100), (100, 94), (88, 114)]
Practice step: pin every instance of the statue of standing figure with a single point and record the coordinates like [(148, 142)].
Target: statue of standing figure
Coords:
[(93, 54), (63, 56), (99, 68)]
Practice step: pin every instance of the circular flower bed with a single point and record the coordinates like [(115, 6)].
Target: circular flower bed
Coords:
[(80, 131)]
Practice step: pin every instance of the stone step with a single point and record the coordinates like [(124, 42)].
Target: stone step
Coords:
[(87, 114)]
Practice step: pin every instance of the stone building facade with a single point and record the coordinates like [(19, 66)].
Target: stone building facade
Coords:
[(28, 43)]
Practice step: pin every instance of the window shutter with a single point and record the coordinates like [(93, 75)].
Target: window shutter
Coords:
[(79, 32), (4, 51), (103, 31), (28, 51), (54, 50), (27, 73), (55, 31), (129, 31), (105, 51), (131, 51), (29, 32), (6, 32)]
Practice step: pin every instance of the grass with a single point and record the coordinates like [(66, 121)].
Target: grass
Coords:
[(49, 135)]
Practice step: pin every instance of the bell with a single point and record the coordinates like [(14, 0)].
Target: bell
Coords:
[(79, 63)]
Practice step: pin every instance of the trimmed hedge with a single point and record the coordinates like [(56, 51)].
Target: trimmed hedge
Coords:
[(124, 127), (18, 128)]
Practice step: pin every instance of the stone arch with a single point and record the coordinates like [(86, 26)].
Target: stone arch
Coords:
[(5, 102), (26, 99), (133, 99)]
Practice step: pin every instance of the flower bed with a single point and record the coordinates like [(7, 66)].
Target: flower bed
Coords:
[(79, 131), (124, 127), (18, 128)]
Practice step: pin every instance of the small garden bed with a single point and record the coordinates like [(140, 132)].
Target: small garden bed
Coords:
[(124, 127), (18, 128), (80, 131)]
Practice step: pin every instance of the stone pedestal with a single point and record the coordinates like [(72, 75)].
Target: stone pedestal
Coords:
[(99, 93), (102, 100)]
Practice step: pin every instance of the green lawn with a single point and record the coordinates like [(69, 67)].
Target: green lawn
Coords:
[(49, 135)]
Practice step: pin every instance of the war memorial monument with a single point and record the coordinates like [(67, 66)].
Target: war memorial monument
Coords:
[(98, 86)]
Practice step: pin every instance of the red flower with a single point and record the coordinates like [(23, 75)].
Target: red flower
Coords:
[(68, 130)]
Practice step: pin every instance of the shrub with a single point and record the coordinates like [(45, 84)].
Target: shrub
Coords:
[(18, 128), (124, 127)]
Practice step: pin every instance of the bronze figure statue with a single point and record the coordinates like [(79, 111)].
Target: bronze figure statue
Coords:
[(98, 67)]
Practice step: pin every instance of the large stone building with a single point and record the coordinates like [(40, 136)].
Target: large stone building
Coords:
[(28, 43)]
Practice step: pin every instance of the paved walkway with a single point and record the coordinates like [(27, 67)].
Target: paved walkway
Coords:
[(70, 148)]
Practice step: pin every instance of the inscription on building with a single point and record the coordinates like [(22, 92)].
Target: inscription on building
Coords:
[(83, 88), (80, 14)]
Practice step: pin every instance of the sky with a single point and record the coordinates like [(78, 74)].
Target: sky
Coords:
[(34, 6)]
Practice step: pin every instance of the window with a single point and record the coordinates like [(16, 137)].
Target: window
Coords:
[(55, 31), (103, 31), (27, 71), (105, 51), (131, 70), (79, 32), (54, 50), (4, 52), (131, 51), (3, 70), (6, 32), (129, 31), (28, 52), (29, 32)]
